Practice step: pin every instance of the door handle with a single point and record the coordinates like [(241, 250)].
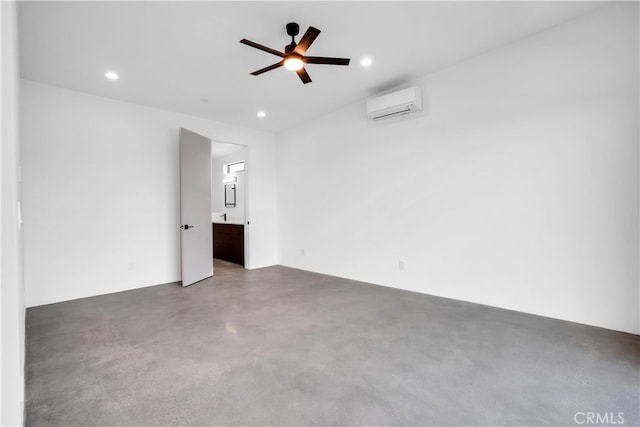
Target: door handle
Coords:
[(186, 226)]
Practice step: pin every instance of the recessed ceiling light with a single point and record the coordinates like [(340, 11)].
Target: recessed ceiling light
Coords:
[(261, 114), (111, 75), (366, 61)]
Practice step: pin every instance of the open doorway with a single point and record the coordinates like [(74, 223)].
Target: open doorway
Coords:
[(228, 202)]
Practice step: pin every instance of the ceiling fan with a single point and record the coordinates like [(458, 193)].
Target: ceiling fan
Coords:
[(293, 57)]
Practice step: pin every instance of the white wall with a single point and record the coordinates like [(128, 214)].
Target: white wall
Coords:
[(12, 284), (101, 201), (237, 213), (516, 188)]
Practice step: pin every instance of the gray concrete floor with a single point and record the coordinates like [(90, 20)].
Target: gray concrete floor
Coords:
[(278, 346)]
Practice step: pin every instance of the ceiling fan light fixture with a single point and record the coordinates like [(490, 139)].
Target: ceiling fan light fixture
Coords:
[(294, 56), (293, 63)]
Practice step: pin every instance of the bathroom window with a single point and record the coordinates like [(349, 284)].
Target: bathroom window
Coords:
[(234, 167)]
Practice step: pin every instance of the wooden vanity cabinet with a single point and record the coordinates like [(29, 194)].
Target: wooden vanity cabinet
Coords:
[(228, 242)]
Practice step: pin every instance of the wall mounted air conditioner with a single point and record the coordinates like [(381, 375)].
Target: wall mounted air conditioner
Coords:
[(395, 104)]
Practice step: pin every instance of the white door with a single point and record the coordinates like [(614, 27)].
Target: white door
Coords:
[(195, 207)]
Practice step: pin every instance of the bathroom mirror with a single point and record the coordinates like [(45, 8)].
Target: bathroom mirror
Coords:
[(230, 196)]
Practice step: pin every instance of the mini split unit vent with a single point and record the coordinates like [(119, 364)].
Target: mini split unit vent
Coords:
[(395, 104)]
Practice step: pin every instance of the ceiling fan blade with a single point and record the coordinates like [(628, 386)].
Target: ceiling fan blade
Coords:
[(302, 73), (269, 68), (306, 40), (261, 47), (323, 60)]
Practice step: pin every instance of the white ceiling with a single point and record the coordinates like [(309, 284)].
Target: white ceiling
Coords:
[(221, 149), (170, 55)]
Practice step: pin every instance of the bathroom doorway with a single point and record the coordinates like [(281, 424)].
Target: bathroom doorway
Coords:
[(228, 202)]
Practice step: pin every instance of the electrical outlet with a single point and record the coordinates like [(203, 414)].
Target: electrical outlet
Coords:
[(302, 251), (401, 265)]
